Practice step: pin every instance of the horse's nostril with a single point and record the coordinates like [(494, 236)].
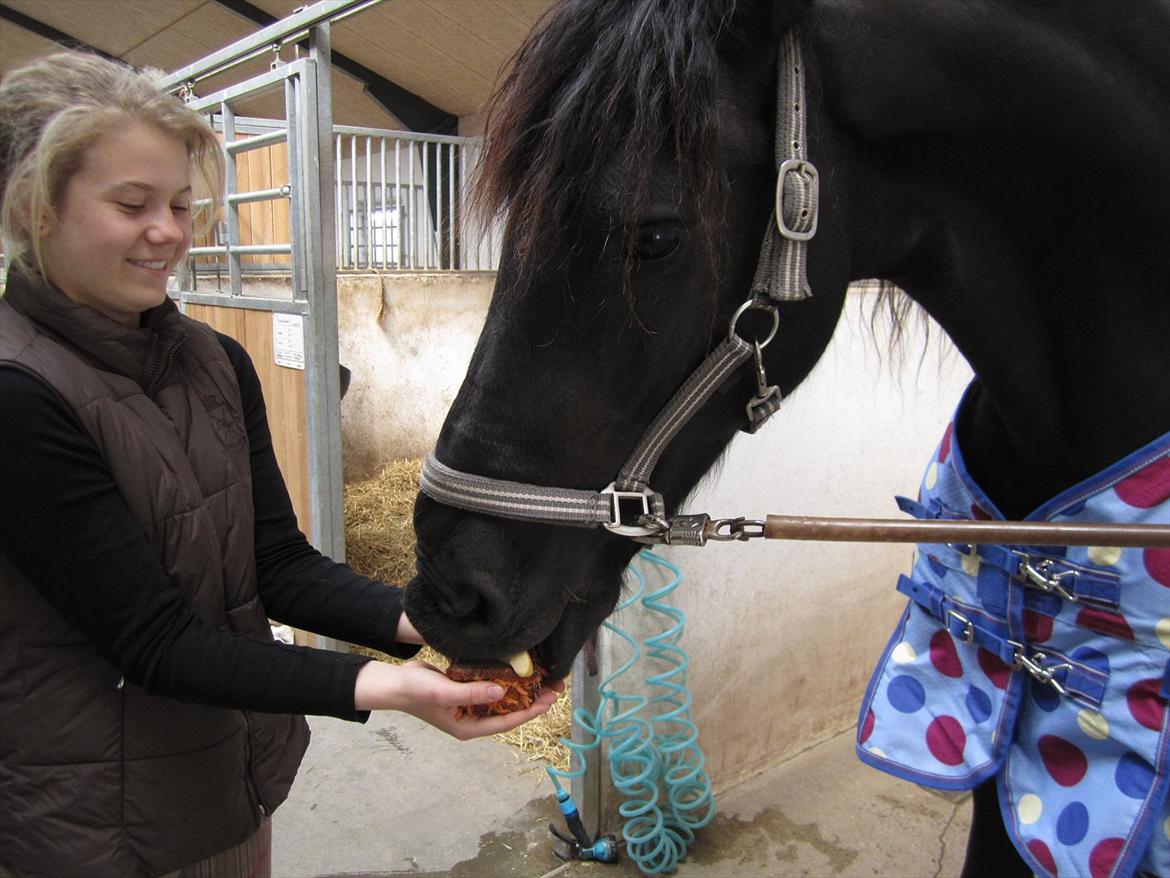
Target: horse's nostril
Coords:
[(469, 571), (453, 599)]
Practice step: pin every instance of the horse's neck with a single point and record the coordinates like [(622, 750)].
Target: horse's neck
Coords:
[(1037, 242), (1070, 380), (1067, 337)]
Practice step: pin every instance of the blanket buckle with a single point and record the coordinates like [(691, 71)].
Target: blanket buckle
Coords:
[(1039, 573), (1037, 666), (968, 629)]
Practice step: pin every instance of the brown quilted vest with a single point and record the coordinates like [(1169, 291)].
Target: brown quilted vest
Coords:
[(98, 778)]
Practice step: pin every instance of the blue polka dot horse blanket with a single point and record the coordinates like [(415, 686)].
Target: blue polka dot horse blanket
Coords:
[(1047, 668)]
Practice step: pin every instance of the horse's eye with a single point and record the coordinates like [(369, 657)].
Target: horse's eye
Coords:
[(657, 240)]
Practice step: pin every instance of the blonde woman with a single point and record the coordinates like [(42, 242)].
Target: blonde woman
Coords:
[(148, 722)]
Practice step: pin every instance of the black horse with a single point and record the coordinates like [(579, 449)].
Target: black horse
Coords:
[(1005, 164)]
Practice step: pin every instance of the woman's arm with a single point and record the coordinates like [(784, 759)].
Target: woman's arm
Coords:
[(65, 527), (298, 585)]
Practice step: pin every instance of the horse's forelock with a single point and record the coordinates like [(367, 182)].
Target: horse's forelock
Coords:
[(599, 83)]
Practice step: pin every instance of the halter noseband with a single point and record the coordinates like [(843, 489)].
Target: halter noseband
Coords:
[(628, 506)]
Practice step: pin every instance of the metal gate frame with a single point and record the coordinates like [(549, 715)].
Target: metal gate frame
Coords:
[(309, 134)]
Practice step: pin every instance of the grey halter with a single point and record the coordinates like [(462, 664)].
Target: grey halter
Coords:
[(628, 506)]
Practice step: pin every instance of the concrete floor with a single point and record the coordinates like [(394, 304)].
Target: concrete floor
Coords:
[(394, 797)]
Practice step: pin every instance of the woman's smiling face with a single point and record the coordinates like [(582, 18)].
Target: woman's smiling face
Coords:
[(123, 223)]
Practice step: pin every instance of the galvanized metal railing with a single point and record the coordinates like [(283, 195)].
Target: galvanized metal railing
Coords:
[(403, 202)]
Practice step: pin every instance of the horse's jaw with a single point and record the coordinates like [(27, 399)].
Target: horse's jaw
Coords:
[(489, 588)]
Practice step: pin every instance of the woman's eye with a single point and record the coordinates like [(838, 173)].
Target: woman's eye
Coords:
[(127, 206), (180, 208), (657, 240)]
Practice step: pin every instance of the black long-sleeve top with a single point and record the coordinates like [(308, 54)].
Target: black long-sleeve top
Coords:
[(66, 528)]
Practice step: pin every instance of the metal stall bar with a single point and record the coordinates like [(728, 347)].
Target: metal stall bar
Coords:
[(298, 221), (384, 215), (412, 237), (464, 233), (369, 203), (282, 191), (351, 224), (400, 237), (319, 247), (244, 250), (339, 192), (424, 211), (290, 29), (418, 241), (452, 225), (438, 202), (236, 284)]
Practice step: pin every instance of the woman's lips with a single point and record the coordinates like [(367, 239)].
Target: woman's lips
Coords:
[(150, 264)]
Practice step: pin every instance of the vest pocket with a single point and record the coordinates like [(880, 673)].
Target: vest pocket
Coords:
[(184, 807)]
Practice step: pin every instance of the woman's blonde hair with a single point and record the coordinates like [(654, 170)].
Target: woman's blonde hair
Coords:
[(53, 109)]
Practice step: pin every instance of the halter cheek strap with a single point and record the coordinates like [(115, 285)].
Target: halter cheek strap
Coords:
[(781, 274), (628, 506)]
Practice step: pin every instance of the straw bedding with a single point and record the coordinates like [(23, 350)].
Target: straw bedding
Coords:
[(379, 543)]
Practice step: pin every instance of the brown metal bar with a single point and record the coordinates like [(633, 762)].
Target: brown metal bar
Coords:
[(1019, 533)]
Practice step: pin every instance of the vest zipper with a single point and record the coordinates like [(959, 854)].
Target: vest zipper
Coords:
[(155, 374), (249, 779)]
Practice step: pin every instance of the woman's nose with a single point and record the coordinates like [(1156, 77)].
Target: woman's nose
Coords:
[(165, 228)]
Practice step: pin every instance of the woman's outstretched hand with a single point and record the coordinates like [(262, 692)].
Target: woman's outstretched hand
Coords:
[(422, 690)]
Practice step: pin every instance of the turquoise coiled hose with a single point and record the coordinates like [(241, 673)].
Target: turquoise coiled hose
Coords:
[(655, 760)]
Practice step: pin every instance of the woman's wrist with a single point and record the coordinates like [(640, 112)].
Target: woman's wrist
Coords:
[(406, 632), (374, 686)]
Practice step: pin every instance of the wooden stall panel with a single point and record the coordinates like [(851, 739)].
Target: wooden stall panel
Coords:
[(280, 208), (250, 230), (284, 395), (261, 222), (264, 222)]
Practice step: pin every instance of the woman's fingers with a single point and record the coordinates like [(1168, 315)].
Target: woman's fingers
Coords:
[(479, 692), (476, 727)]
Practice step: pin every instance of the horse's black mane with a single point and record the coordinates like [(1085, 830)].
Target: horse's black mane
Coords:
[(604, 85)]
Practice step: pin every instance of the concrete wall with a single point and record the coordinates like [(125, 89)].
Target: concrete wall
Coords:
[(782, 636), (407, 339)]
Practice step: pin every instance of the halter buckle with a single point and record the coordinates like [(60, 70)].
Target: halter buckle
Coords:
[(628, 508), (807, 205)]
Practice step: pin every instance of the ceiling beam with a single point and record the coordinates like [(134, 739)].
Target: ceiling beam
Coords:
[(416, 113), (50, 33)]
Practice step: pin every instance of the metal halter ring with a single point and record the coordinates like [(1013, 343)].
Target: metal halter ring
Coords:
[(762, 306)]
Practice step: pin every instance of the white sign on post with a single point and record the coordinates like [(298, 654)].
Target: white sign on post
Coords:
[(288, 340)]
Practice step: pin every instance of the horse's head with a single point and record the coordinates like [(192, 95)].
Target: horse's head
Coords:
[(632, 145)]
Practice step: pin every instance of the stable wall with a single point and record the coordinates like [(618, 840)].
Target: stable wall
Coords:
[(407, 340), (782, 636)]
